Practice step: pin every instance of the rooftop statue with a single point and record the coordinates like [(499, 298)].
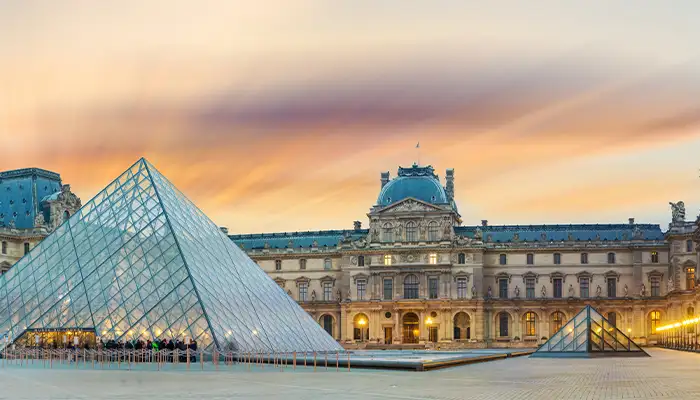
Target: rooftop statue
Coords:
[(677, 211)]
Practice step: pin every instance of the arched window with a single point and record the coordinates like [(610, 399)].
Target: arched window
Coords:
[(388, 233), (503, 324), (611, 258), (433, 231), (584, 258), (361, 327), (327, 264), (461, 258), (690, 278), (530, 324), (654, 321), (411, 232), (557, 258), (558, 319), (327, 323), (410, 287), (462, 328), (361, 261)]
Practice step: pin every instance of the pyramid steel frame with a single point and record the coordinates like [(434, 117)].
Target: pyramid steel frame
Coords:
[(140, 261), (589, 334)]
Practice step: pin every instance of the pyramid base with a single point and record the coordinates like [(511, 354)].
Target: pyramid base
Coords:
[(596, 354)]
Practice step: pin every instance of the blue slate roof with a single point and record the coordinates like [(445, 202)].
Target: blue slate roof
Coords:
[(418, 182), (21, 192), (299, 239), (581, 232)]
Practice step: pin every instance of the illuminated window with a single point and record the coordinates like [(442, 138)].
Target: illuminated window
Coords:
[(558, 320), (690, 278), (654, 257), (387, 259), (530, 324), (557, 258), (654, 320), (432, 259), (584, 258), (278, 265), (612, 318)]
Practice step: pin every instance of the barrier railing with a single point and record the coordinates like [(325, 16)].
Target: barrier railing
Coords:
[(163, 359)]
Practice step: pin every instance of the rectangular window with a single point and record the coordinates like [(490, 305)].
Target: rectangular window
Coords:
[(612, 287), (433, 259), (611, 258), (557, 288), (503, 288), (361, 289), (303, 289), (461, 288), (327, 291), (361, 261), (302, 264), (689, 246), (388, 288), (655, 286), (530, 288), (557, 258), (387, 259), (530, 259), (502, 259), (4, 247), (278, 265), (26, 248), (584, 288), (584, 258), (690, 278), (433, 288), (654, 257)]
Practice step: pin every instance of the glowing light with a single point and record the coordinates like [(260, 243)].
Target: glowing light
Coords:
[(571, 329), (691, 321), (361, 322), (255, 332), (429, 321)]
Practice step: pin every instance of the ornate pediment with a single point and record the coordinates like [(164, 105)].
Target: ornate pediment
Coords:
[(359, 276), (301, 279), (612, 274), (557, 275), (655, 274), (460, 275), (689, 263), (503, 275), (280, 282), (583, 274), (410, 205), (327, 278), (530, 275)]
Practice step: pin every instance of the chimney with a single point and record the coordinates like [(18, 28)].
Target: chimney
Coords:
[(385, 178), (484, 222), (450, 184), (357, 225), (631, 221), (224, 230)]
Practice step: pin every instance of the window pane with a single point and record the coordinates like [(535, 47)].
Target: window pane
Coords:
[(388, 289)]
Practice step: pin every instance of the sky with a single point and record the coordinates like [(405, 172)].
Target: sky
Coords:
[(280, 115)]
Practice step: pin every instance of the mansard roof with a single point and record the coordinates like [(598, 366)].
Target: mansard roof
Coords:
[(21, 192), (563, 232), (329, 238)]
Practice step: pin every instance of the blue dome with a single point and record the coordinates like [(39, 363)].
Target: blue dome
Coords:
[(418, 182)]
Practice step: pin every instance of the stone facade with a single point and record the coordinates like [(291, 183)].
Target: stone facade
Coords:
[(418, 277), (33, 202)]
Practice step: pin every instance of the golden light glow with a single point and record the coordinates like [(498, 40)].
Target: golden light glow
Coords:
[(571, 329), (255, 332), (429, 321), (416, 332), (361, 322), (691, 321), (629, 330)]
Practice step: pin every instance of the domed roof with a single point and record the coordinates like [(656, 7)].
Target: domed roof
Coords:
[(418, 182)]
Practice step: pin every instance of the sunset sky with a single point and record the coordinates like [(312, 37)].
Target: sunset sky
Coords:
[(280, 115)]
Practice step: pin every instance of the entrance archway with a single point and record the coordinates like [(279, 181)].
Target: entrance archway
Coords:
[(361, 327), (327, 323), (462, 328), (411, 331)]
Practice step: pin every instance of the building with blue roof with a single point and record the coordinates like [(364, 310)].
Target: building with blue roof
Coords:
[(33, 202), (419, 276)]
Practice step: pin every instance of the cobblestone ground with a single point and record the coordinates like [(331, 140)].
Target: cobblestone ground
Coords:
[(667, 374)]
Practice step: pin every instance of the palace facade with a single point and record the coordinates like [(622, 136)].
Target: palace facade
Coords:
[(33, 202), (419, 277)]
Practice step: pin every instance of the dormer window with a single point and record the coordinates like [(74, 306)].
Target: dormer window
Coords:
[(387, 259), (432, 259)]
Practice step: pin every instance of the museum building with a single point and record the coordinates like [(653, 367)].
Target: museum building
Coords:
[(419, 277)]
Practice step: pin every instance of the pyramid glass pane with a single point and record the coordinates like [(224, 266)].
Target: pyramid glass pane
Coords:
[(586, 335), (140, 261)]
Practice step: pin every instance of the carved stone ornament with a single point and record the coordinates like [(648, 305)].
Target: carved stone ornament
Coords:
[(489, 238), (544, 291), (375, 234), (39, 220), (410, 205), (516, 236), (353, 260), (637, 233), (677, 211), (290, 244), (360, 243), (266, 245), (598, 291), (461, 240), (670, 284), (289, 293), (473, 291), (314, 244), (625, 236), (570, 237), (597, 236), (409, 257), (338, 296), (543, 236)]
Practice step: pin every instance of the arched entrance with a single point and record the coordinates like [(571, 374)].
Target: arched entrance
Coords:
[(411, 331), (462, 328), (556, 321), (327, 323), (361, 327)]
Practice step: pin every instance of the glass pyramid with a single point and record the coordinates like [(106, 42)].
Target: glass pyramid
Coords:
[(141, 261), (588, 334)]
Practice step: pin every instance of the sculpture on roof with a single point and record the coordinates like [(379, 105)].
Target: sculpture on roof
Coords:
[(39, 220), (637, 233), (361, 242), (478, 234), (677, 211)]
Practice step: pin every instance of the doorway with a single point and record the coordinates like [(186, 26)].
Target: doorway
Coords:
[(410, 328), (433, 334), (388, 334)]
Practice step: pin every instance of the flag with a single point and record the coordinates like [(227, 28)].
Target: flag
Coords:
[(418, 145)]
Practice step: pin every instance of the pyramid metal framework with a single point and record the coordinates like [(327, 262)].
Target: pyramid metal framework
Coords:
[(589, 334), (141, 261)]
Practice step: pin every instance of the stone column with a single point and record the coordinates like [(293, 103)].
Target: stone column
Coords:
[(421, 326), (397, 327)]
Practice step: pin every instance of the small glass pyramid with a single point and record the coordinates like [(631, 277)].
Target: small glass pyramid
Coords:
[(588, 334), (141, 261)]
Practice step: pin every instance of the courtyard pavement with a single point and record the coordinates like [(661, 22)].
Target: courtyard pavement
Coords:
[(667, 374)]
